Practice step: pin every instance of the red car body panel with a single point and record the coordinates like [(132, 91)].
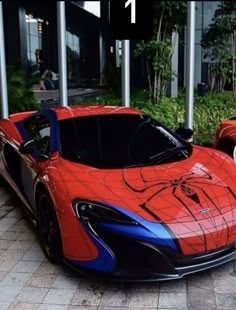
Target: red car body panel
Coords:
[(226, 130), (64, 113)]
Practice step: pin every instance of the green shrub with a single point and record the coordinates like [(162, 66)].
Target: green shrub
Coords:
[(20, 94)]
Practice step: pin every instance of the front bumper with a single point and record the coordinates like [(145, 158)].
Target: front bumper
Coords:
[(141, 261)]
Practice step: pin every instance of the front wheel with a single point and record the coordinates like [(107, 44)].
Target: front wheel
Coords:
[(49, 229)]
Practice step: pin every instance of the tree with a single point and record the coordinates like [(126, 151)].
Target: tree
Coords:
[(19, 87), (220, 44), (169, 17)]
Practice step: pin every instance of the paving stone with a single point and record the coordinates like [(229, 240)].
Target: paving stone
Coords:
[(9, 293), (2, 275), (38, 280), (22, 245), (115, 299), (4, 305), (222, 286), (15, 213), (176, 286), (64, 280), (86, 308), (113, 308), (10, 235), (226, 301), (23, 306), (200, 282), (4, 227), (3, 213), (34, 255), (7, 262), (15, 279), (174, 309), (28, 236), (87, 297), (26, 266), (59, 296), (172, 300), (148, 287), (95, 285), (47, 268), (137, 300), (222, 275), (32, 294), (5, 244), (20, 228), (6, 208), (202, 301), (8, 221), (223, 271), (52, 307)]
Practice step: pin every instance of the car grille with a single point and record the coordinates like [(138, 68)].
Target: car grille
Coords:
[(136, 256)]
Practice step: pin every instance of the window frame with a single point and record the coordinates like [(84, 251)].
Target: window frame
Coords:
[(27, 136)]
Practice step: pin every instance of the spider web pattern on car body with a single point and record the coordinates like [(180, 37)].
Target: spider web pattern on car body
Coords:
[(206, 231), (174, 194)]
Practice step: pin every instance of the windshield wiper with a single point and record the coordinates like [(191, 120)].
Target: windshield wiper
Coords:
[(159, 157)]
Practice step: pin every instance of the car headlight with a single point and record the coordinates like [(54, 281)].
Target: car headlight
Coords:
[(88, 211)]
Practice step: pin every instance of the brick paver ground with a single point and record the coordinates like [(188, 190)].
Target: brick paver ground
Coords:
[(29, 281)]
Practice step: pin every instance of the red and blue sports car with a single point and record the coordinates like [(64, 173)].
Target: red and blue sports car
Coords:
[(115, 192), (225, 136)]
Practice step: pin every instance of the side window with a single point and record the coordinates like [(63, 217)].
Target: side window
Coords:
[(38, 129)]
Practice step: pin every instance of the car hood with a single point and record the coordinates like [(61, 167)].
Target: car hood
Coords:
[(191, 195)]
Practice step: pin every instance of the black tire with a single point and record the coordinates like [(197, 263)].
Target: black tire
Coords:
[(226, 146), (48, 226)]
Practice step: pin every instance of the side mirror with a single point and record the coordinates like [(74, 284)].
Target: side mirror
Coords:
[(27, 147), (184, 133)]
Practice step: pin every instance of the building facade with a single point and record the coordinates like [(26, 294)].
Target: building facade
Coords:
[(31, 39), (205, 11)]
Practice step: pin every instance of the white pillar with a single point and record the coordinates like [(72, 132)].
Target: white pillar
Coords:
[(190, 65), (174, 65), (3, 76), (62, 60), (117, 54), (125, 76), (101, 58)]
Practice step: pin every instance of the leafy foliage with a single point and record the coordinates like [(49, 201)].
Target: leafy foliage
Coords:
[(220, 44), (20, 94), (169, 17)]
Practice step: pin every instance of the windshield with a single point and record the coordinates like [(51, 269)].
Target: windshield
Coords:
[(119, 140)]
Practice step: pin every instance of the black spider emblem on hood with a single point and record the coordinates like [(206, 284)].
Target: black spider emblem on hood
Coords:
[(190, 186)]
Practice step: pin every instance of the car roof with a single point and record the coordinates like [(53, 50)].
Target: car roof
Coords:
[(86, 110)]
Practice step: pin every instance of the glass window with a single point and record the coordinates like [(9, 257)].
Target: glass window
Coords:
[(90, 6), (209, 8), (115, 141), (38, 129), (198, 14), (198, 61), (198, 36), (34, 38)]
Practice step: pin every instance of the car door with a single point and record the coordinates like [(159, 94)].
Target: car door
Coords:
[(38, 129)]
